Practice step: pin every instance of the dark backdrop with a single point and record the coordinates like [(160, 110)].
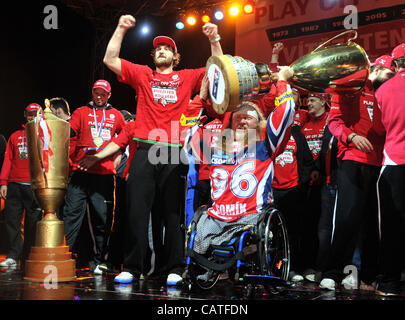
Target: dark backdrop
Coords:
[(39, 63)]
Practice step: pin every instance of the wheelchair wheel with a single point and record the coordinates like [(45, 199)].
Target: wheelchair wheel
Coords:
[(275, 260)]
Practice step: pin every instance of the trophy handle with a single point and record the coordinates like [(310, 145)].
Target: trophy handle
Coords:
[(36, 135), (337, 36)]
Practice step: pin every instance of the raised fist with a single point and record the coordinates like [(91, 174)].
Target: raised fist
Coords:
[(210, 30), (126, 22), (278, 47)]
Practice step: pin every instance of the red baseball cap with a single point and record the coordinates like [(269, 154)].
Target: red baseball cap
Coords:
[(103, 84), (319, 95), (384, 61), (323, 96), (398, 52), (165, 40), (33, 107)]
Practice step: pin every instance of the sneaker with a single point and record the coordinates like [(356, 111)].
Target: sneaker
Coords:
[(173, 279), (9, 263), (310, 275), (98, 270), (295, 277), (327, 283), (103, 267), (350, 282), (205, 276), (123, 288), (124, 277)]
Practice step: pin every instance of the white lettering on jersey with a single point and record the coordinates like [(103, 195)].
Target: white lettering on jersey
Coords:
[(232, 209), (285, 158)]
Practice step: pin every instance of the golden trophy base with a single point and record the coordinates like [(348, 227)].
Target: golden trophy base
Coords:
[(55, 264), (41, 293)]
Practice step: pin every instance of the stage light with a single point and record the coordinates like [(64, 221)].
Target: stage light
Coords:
[(145, 30), (234, 10), (180, 25), (219, 15), (205, 18), (248, 7), (191, 20)]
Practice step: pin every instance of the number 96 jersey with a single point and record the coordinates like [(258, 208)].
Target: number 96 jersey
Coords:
[(241, 182), (240, 185)]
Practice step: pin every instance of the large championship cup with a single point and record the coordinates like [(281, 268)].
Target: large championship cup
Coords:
[(338, 68), (48, 155), (234, 79)]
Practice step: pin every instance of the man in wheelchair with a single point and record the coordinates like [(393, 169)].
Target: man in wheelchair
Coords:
[(241, 171)]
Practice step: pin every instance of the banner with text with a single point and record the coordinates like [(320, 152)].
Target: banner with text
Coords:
[(302, 25)]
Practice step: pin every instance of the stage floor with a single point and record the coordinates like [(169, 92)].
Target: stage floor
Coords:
[(102, 287)]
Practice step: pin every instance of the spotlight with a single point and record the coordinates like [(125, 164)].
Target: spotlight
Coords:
[(219, 15), (234, 10), (205, 18), (145, 30), (180, 25), (248, 7), (191, 20)]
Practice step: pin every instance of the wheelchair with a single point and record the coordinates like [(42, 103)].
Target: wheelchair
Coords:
[(257, 255)]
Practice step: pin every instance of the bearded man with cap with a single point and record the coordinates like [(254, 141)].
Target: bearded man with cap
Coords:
[(391, 183), (163, 95), (16, 190), (92, 127), (355, 120)]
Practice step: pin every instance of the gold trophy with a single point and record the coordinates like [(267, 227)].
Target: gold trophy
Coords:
[(48, 155), (339, 68)]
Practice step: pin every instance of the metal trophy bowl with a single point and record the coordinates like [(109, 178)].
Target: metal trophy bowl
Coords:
[(234, 79), (48, 156), (339, 68)]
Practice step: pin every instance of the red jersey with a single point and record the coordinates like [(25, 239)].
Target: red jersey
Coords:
[(124, 140), (15, 166), (357, 113), (286, 167), (391, 100), (313, 130), (90, 124), (162, 99)]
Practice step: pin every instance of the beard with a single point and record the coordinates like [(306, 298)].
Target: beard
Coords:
[(167, 62), (379, 80)]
